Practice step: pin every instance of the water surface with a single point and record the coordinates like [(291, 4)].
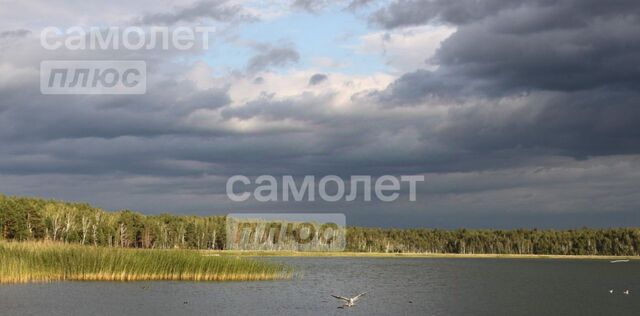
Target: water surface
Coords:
[(398, 286)]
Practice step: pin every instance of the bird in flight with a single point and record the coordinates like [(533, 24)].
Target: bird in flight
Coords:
[(626, 292), (349, 301)]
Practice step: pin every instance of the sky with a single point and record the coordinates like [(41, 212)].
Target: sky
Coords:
[(517, 113)]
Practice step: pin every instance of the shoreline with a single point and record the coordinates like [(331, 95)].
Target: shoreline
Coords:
[(269, 253)]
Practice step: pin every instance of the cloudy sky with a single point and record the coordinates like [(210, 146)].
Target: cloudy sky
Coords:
[(518, 113)]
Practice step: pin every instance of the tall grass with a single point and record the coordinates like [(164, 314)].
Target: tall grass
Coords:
[(44, 262)]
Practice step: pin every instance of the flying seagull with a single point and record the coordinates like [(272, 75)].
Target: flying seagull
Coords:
[(619, 261), (349, 301), (626, 292)]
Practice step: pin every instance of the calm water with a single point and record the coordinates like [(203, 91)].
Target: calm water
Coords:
[(398, 287)]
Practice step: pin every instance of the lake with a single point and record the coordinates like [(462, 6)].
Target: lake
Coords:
[(398, 286)]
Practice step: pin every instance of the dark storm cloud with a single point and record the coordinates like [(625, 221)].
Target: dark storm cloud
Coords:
[(416, 87), (417, 12), (533, 107), (29, 115), (218, 10), (559, 77), (317, 79), (536, 13), (146, 134), (272, 56), (594, 56), (156, 134), (579, 124), (153, 134), (505, 53)]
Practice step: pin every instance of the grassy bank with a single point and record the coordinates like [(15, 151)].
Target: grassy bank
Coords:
[(223, 253), (44, 262)]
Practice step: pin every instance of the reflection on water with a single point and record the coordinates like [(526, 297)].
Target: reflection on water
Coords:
[(397, 287)]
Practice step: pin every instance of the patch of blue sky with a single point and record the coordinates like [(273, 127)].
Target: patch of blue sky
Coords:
[(332, 34)]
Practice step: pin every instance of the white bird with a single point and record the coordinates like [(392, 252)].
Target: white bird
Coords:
[(626, 292), (611, 291), (349, 301), (619, 261)]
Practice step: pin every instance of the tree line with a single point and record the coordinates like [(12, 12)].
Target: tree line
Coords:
[(23, 218)]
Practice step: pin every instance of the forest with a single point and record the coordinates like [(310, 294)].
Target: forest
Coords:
[(33, 219)]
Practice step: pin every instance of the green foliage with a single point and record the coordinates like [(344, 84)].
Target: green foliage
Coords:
[(584, 241), (36, 219)]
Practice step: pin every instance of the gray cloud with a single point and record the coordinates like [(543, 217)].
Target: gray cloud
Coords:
[(520, 77), (579, 125), (416, 12), (509, 49), (218, 10), (355, 5), (312, 6), (272, 56), (315, 6), (32, 116), (14, 33), (536, 13), (317, 79)]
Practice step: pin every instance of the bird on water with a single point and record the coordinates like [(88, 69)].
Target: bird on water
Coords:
[(349, 301)]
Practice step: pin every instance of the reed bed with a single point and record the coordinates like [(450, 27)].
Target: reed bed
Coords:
[(46, 262)]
